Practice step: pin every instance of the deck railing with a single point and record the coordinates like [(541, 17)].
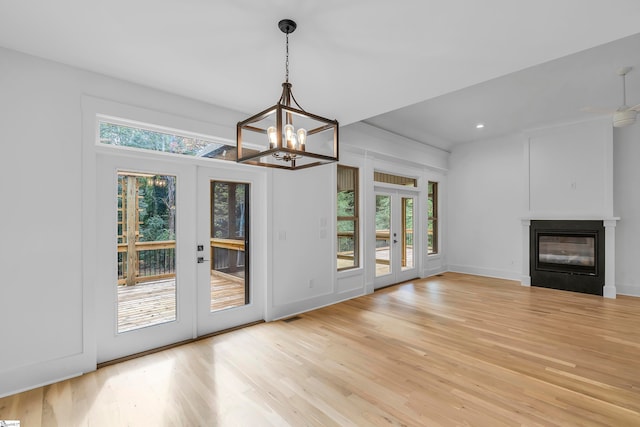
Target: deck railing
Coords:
[(228, 255), (157, 260), (152, 261), (382, 241)]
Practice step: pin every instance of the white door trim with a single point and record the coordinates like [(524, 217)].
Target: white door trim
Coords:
[(397, 274)]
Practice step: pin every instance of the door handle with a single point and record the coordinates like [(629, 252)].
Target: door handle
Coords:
[(395, 241), (201, 259)]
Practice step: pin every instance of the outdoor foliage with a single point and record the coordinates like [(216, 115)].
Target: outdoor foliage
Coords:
[(383, 212), (346, 208), (221, 227), (126, 136), (157, 209), (432, 221)]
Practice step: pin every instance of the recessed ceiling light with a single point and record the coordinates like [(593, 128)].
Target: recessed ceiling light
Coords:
[(479, 125)]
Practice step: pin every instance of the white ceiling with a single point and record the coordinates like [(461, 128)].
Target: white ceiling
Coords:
[(555, 91), (350, 60)]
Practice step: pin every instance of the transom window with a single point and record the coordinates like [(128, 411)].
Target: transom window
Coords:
[(120, 135), (388, 178)]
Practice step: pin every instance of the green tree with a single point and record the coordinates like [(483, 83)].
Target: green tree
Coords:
[(383, 212), (126, 136)]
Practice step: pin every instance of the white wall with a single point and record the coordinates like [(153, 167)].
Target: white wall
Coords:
[(378, 143), (40, 254), (569, 171), (45, 328), (303, 239), (485, 184), (626, 202)]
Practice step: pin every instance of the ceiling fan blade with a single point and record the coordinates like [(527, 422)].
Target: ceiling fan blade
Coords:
[(624, 118), (635, 108), (598, 110)]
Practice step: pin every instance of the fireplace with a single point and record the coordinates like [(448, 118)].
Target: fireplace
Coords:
[(567, 252), (568, 255)]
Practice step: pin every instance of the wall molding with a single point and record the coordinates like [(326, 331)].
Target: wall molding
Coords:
[(486, 272)]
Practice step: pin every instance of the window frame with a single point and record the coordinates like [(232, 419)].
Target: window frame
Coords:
[(355, 218), (432, 195)]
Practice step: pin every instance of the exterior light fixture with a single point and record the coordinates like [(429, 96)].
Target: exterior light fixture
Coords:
[(285, 135), (480, 126)]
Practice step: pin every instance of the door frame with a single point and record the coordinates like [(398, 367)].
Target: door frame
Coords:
[(207, 321), (93, 110), (194, 317), (397, 275), (111, 344)]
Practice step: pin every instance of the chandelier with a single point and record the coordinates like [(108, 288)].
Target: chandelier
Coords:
[(285, 135)]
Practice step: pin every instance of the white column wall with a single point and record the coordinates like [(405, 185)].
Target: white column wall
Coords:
[(626, 205), (485, 208)]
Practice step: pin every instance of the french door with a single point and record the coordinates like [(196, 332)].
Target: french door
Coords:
[(173, 255), (144, 285), (396, 236), (227, 294)]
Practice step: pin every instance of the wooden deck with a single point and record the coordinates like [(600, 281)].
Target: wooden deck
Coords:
[(152, 303), (146, 304), (226, 291), (383, 264)]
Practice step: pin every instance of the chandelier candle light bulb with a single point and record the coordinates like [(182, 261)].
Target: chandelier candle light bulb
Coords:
[(302, 139), (289, 136), (272, 132)]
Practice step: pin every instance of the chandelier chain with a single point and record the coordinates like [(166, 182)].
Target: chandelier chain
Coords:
[(287, 60)]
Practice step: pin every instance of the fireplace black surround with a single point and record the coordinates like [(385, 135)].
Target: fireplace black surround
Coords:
[(567, 255)]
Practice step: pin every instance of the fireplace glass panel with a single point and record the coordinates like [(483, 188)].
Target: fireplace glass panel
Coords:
[(567, 250)]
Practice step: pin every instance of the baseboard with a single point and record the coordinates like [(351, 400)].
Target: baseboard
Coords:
[(486, 272), (433, 271), (629, 290), (299, 307), (28, 377)]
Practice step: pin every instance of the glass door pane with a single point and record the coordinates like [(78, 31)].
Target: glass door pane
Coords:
[(407, 233), (229, 231), (146, 250), (383, 236), (231, 223), (397, 254)]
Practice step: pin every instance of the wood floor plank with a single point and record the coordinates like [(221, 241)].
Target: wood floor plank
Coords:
[(448, 350)]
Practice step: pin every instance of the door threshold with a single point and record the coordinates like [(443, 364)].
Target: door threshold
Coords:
[(176, 344), (395, 284)]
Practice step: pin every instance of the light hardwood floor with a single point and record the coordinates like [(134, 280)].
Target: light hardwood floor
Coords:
[(450, 350)]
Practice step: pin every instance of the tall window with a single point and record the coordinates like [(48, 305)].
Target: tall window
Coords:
[(432, 218), (348, 241)]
